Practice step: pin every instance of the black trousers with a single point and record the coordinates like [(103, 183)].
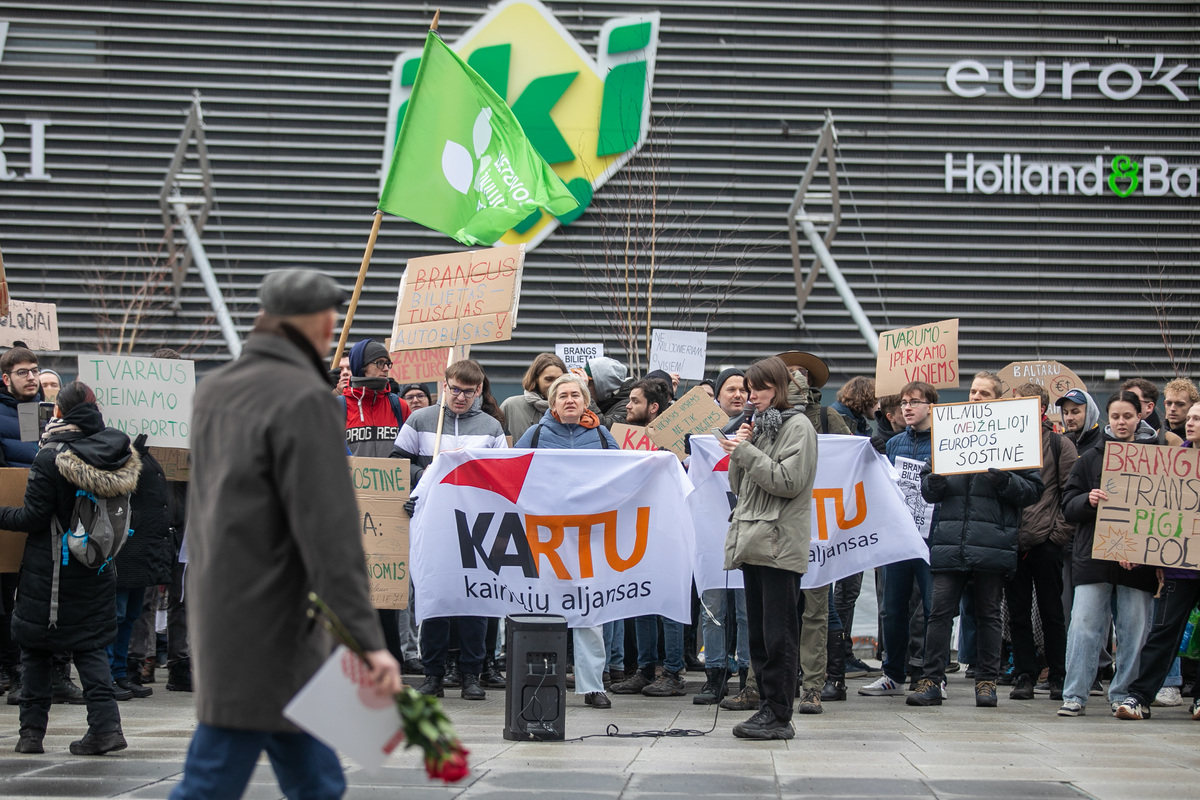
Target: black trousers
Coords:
[(773, 607), (95, 676), (1168, 620), (845, 595), (435, 644), (1040, 568), (948, 590)]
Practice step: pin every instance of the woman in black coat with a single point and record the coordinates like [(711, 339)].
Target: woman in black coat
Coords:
[(97, 459)]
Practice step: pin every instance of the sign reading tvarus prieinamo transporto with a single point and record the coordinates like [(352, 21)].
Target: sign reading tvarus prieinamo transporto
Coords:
[(587, 119)]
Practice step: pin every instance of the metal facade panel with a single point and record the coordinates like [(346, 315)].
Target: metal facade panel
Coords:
[(295, 97)]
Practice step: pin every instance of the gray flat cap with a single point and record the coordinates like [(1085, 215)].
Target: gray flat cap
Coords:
[(289, 292)]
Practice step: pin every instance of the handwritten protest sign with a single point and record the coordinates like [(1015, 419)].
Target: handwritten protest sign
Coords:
[(974, 437), (35, 324), (576, 356), (910, 484), (458, 298), (419, 366), (926, 353), (144, 395), (3, 289), (632, 437), (1152, 514), (12, 493), (176, 463), (678, 351), (1055, 377), (695, 412), (381, 486)]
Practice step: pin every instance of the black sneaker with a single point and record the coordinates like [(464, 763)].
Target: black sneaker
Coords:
[(179, 676), (985, 694), (119, 693), (134, 689), (597, 700), (97, 745), (1023, 690), (29, 744), (764, 725), (14, 692), (669, 684), (969, 673), (1097, 689), (1008, 677), (857, 668), (413, 666), (433, 686), (929, 693), (1056, 690)]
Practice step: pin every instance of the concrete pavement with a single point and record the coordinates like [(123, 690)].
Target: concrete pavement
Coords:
[(865, 747)]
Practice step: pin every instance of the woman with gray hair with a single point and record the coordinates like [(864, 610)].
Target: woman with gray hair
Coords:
[(569, 424)]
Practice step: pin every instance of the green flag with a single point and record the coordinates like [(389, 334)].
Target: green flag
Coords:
[(462, 165)]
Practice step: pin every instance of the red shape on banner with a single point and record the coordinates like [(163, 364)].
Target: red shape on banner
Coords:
[(504, 476), (722, 465)]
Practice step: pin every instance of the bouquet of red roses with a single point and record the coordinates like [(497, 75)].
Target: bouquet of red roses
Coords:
[(423, 723)]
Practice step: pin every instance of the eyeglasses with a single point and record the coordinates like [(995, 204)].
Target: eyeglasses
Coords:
[(25, 373), (467, 393), (382, 363), (913, 403)]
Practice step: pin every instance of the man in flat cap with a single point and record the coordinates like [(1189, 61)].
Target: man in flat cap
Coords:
[(272, 517)]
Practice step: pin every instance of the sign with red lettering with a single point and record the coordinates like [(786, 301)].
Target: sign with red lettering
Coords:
[(1152, 514), (927, 353), (458, 299), (419, 366), (632, 437)]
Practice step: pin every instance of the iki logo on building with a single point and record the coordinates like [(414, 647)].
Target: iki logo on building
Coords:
[(1119, 175), (587, 119)]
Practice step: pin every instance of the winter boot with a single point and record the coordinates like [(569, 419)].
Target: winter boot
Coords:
[(747, 699), (714, 690), (453, 678), (491, 677), (179, 676), (65, 690), (835, 667)]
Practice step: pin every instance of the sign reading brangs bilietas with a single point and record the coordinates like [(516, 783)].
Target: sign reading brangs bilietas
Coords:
[(1152, 514), (144, 395), (458, 299), (381, 486), (927, 353)]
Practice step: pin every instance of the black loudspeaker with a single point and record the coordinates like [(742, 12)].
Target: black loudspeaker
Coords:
[(537, 680)]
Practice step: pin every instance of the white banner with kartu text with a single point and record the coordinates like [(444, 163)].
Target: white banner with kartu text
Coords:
[(595, 536), (859, 517)]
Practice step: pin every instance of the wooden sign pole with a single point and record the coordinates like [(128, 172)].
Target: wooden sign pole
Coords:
[(358, 285)]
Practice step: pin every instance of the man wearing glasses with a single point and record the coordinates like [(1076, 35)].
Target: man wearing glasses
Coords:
[(899, 578), (19, 370), (372, 412), (465, 425)]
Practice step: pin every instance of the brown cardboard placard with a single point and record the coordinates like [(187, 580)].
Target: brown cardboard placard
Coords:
[(35, 324), (927, 353), (975, 437), (419, 366), (381, 486), (1152, 514), (695, 412), (176, 462), (12, 493), (458, 299), (633, 437)]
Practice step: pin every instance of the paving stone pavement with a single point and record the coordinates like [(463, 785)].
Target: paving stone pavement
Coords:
[(865, 747)]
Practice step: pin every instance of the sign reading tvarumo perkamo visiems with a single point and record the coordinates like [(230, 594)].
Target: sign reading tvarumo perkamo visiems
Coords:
[(576, 355), (927, 353), (682, 352), (695, 412), (144, 395), (458, 298), (35, 324), (974, 437), (381, 486), (632, 437), (1152, 514)]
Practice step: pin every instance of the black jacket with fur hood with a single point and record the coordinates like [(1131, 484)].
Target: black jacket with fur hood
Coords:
[(101, 461), (148, 557)]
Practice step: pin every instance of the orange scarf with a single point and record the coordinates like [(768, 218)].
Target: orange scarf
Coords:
[(589, 419)]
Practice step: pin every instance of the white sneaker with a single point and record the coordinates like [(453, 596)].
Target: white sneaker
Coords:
[(944, 695), (882, 687), (1072, 709), (1168, 696)]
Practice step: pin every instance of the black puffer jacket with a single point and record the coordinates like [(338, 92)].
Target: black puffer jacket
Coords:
[(101, 461), (1084, 477), (977, 523), (147, 558)]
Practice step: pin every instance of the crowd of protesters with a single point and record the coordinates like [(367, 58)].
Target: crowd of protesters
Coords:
[(1010, 552)]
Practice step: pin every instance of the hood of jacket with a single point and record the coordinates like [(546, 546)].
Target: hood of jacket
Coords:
[(117, 473), (1144, 433), (608, 375)]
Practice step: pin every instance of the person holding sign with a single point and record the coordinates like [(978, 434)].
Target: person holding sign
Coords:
[(1097, 581), (1179, 594), (772, 467), (522, 412)]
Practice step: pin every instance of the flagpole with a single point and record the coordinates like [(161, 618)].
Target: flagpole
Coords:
[(437, 442), (362, 277)]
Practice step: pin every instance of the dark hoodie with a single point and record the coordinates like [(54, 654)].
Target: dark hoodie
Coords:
[(373, 413), (99, 460), (884, 433), (16, 453)]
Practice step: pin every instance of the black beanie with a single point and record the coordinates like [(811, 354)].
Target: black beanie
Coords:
[(725, 375)]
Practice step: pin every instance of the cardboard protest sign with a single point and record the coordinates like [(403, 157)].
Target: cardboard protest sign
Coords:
[(695, 412), (3, 289), (381, 486), (144, 395), (632, 437), (12, 493), (1055, 377), (35, 324), (458, 298), (682, 352), (339, 706), (419, 366), (176, 463), (576, 356), (1152, 514), (974, 437), (910, 485), (926, 353)]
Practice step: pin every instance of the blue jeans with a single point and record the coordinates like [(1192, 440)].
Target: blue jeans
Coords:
[(898, 580), (713, 618), (1090, 616), (221, 760), (614, 644), (129, 608), (646, 629)]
